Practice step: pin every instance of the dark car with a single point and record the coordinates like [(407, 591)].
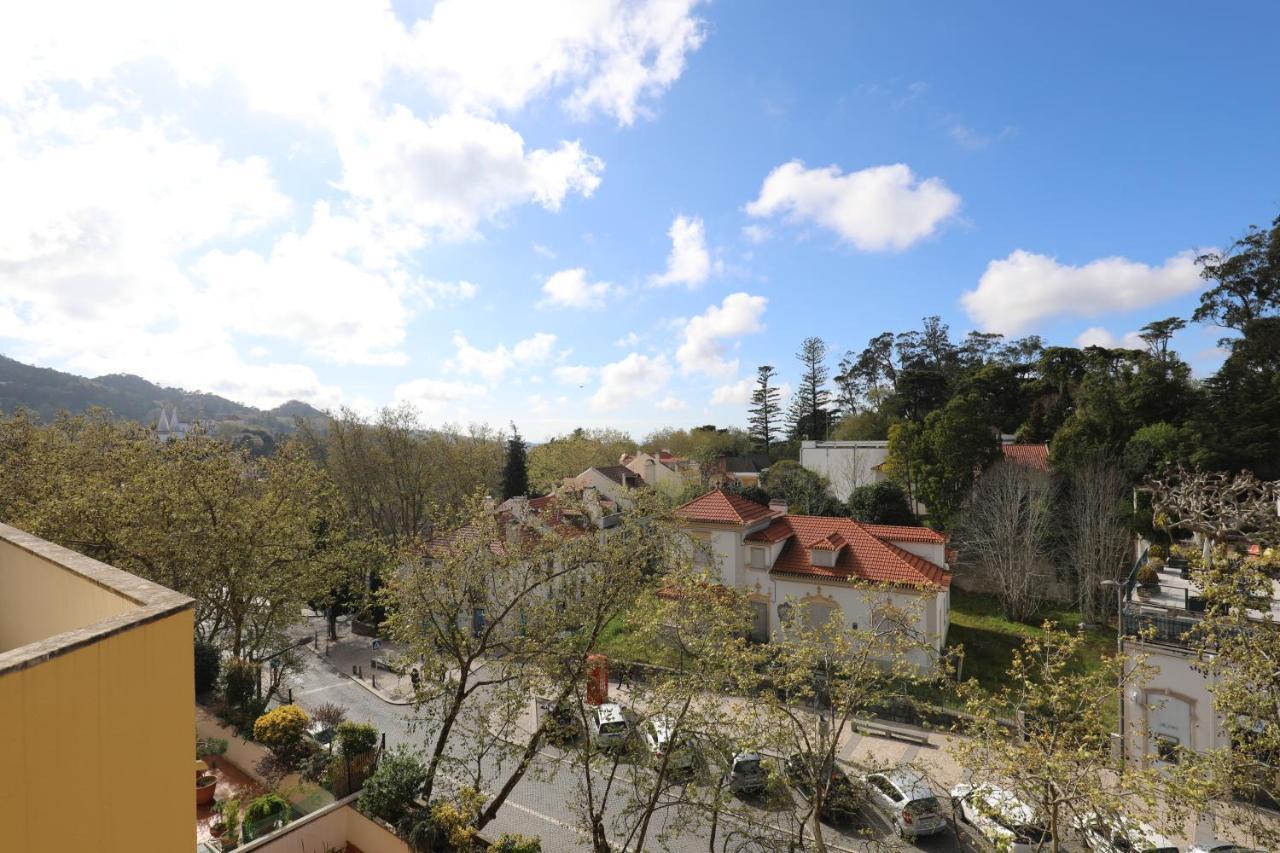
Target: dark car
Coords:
[(843, 797)]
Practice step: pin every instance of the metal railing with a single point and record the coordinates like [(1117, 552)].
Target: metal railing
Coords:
[(1162, 629)]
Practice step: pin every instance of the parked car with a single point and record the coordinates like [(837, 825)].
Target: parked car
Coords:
[(658, 735), (747, 774), (843, 796), (906, 798), (1221, 847), (1121, 835), (609, 727), (563, 724), (1001, 818)]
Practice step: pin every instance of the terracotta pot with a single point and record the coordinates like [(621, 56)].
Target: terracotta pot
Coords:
[(204, 792)]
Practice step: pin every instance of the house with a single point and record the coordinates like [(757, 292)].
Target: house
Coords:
[(828, 564), (662, 470), (1035, 456), (746, 470), (613, 482), (96, 693), (168, 426), (846, 464)]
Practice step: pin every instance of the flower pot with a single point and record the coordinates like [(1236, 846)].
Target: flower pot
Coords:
[(205, 787)]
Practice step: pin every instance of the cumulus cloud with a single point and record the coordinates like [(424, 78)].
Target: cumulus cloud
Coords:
[(573, 374), (671, 403), (634, 378), (492, 364), (882, 208), (702, 350), (756, 233), (1016, 292), (570, 289), (1097, 336), (434, 396), (630, 339), (734, 394), (689, 262)]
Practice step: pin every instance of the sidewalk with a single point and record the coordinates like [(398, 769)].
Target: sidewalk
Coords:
[(353, 656)]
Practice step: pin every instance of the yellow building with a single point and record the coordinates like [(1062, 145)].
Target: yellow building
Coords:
[(96, 706)]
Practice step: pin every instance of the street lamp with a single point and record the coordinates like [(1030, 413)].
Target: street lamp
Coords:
[(1119, 587)]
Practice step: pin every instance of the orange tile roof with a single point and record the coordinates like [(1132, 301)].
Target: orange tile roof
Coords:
[(721, 507), (777, 530), (905, 533), (868, 556), (1031, 455)]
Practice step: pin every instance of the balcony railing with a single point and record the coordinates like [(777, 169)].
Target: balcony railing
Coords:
[(1158, 628)]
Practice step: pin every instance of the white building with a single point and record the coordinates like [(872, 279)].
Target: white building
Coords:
[(846, 464), (615, 482), (830, 565), (663, 470)]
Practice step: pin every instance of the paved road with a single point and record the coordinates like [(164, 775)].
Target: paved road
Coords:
[(541, 803)]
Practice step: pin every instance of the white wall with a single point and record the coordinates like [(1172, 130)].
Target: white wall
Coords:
[(1175, 702), (847, 464)]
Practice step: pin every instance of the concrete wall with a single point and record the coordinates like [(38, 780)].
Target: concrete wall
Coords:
[(847, 464), (97, 745), (330, 828), (40, 598), (1175, 702)]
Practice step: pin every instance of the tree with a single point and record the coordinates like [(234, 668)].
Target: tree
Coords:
[(1097, 536), (1246, 280), (806, 492), (765, 409), (515, 473), (881, 503), (571, 454), (1215, 505), (1242, 406), (809, 414), (1058, 761), (1005, 535), (1157, 334)]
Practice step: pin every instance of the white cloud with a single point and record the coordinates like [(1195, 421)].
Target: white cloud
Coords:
[(634, 378), (689, 262), (433, 292), (538, 404), (701, 350), (1097, 336), (492, 364), (434, 396), (451, 173), (756, 233), (1018, 291), (671, 403), (573, 374), (881, 208), (539, 249), (630, 339), (612, 56), (570, 289), (735, 394)]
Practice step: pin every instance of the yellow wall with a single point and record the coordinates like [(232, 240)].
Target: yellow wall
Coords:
[(39, 599), (97, 746)]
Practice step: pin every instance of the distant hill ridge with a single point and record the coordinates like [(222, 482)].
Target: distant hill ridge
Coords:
[(47, 392)]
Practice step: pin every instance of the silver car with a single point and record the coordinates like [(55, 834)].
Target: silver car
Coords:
[(608, 726), (904, 795)]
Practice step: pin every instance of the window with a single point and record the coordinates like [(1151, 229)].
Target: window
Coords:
[(757, 558), (1167, 748), (760, 622), (477, 621), (819, 614)]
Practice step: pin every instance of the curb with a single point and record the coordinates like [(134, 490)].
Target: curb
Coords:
[(368, 687)]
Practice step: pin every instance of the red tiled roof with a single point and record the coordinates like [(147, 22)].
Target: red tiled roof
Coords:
[(1031, 455), (830, 542), (868, 557), (904, 533), (722, 507), (777, 530)]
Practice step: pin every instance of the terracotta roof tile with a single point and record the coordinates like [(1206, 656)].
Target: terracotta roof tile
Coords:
[(777, 530), (1031, 455), (867, 556), (719, 506), (905, 533)]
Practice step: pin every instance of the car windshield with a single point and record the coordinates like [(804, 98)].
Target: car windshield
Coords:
[(613, 728), (922, 806), (749, 766), (1027, 833)]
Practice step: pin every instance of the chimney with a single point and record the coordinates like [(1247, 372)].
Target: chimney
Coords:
[(778, 505)]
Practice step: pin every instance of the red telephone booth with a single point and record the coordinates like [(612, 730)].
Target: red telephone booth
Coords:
[(597, 679)]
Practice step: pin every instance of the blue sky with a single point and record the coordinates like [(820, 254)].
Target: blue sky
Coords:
[(607, 214)]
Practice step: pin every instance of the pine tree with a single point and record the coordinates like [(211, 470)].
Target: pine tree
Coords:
[(515, 474), (765, 409), (809, 415)]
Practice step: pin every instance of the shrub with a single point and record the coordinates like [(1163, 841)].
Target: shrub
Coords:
[(1148, 575), (508, 843), (282, 730), (346, 774), (1157, 552), (329, 715), (356, 738), (208, 665), (240, 682), (389, 792), (206, 747), (230, 811)]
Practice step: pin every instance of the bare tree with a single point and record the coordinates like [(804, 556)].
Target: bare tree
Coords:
[(1096, 535), (1217, 505), (1005, 534)]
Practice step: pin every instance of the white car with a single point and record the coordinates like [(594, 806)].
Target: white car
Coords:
[(1001, 818), (1221, 847), (905, 796), (657, 734), (1122, 835), (609, 726)]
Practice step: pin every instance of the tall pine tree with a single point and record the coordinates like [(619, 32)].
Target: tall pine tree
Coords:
[(809, 415), (515, 474), (766, 410)]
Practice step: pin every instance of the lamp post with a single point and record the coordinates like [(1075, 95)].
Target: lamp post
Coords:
[(1119, 587)]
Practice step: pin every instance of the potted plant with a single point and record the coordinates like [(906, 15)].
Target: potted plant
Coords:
[(264, 814), (1148, 579), (208, 750), (231, 824), (206, 785)]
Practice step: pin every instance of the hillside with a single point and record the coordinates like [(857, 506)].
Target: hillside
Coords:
[(48, 392)]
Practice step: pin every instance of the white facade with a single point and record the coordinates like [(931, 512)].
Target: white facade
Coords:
[(846, 464), (666, 473)]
